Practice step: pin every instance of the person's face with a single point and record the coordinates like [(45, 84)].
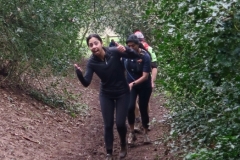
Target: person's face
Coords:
[(95, 46), (133, 45)]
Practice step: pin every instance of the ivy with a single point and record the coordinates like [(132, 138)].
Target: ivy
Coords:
[(198, 54)]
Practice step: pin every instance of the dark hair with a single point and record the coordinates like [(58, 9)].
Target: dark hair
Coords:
[(135, 30), (133, 38), (95, 36), (142, 47)]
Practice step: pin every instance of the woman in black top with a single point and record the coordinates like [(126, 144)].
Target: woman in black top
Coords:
[(139, 79), (114, 91)]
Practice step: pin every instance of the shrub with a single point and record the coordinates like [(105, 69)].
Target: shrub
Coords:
[(37, 35), (40, 40), (198, 54)]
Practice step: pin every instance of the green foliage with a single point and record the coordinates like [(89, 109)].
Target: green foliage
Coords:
[(36, 35), (40, 40), (198, 45), (125, 16)]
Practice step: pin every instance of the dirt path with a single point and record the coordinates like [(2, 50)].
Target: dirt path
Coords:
[(29, 130)]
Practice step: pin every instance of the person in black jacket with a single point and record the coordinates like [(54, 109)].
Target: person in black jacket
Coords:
[(114, 91)]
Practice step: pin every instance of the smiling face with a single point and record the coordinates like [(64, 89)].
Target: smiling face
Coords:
[(95, 46)]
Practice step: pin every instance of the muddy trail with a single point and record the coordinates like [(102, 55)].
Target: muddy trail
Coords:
[(30, 130)]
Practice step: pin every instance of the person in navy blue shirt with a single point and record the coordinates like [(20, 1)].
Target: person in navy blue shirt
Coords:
[(139, 79), (114, 90), (112, 43)]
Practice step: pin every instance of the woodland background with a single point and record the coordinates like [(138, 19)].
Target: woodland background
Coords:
[(197, 45)]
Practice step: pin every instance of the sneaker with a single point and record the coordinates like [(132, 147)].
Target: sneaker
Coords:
[(131, 138), (123, 152), (146, 139), (109, 157)]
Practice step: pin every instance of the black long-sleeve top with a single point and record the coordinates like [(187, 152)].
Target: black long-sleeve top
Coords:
[(110, 71)]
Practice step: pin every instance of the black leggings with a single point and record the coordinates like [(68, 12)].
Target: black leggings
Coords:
[(144, 97), (108, 106)]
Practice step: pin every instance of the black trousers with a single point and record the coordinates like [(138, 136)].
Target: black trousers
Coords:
[(108, 106), (144, 97)]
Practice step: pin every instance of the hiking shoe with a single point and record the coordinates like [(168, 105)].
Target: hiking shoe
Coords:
[(137, 119), (109, 157), (123, 152), (131, 138), (146, 139), (149, 128), (137, 127)]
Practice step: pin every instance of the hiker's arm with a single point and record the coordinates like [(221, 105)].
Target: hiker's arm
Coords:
[(154, 73), (154, 76), (124, 51), (129, 53), (143, 78), (87, 78), (146, 71)]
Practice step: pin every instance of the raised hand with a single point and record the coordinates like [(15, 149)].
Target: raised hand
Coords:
[(120, 47), (77, 67)]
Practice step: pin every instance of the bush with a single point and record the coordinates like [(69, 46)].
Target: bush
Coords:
[(198, 46), (37, 35), (39, 42)]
